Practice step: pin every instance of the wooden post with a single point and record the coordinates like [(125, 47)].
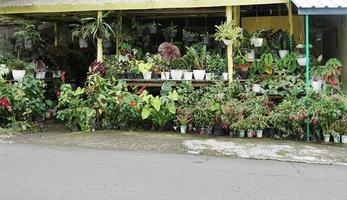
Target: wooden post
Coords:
[(119, 33), (290, 17), (55, 34), (229, 16), (99, 57)]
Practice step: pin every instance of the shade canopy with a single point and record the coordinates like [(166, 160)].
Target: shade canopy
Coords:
[(321, 7)]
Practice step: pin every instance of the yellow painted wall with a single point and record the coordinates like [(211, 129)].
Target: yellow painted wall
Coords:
[(252, 24)]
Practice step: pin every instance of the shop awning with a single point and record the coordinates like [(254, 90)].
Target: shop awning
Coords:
[(51, 6), (321, 7)]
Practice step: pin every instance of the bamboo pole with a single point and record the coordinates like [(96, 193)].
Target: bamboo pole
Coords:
[(99, 56), (307, 46), (229, 16), (290, 18), (56, 34)]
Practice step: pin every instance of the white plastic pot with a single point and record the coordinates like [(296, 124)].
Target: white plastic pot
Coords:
[(283, 53), (242, 133), (228, 42), (225, 76), (165, 75), (337, 138), (344, 139), (208, 76), (40, 75), (83, 43), (301, 61), (256, 88), (199, 74), (188, 76), (317, 85), (250, 55), (183, 129), (258, 42), (259, 133), (176, 74), (326, 138), (18, 75), (147, 76), (56, 74)]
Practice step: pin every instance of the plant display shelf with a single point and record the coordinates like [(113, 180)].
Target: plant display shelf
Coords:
[(159, 82)]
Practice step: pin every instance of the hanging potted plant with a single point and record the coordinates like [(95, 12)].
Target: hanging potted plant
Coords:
[(198, 58), (257, 38), (170, 31), (78, 31), (168, 53), (153, 27), (281, 42), (206, 38), (188, 36), (28, 34), (229, 33)]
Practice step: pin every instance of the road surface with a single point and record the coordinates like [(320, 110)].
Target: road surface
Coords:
[(35, 172)]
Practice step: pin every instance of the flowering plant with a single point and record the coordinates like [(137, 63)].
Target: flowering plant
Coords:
[(183, 117)]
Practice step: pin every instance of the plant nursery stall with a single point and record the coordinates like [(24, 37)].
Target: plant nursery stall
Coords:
[(226, 67)]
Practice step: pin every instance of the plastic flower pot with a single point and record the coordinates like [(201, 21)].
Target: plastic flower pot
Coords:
[(344, 139), (83, 43), (228, 42), (18, 75), (337, 138), (250, 55), (259, 133), (242, 133), (40, 75), (188, 76), (244, 74), (251, 133), (217, 130), (153, 29), (256, 88), (208, 76), (326, 138), (147, 76), (283, 53), (258, 42), (208, 131), (301, 61), (199, 74), (317, 85), (156, 76), (165, 75), (176, 74), (225, 76), (183, 129), (206, 40)]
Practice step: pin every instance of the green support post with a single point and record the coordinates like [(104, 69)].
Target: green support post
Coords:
[(307, 46)]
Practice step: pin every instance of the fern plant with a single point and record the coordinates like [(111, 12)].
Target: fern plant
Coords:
[(228, 31)]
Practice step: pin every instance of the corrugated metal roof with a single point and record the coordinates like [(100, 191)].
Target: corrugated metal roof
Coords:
[(320, 3)]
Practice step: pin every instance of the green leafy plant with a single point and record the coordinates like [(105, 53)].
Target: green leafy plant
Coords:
[(228, 31), (197, 56), (267, 61)]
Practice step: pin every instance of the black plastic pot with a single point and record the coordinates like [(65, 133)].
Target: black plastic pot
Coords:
[(244, 75), (139, 76), (209, 131), (130, 75), (218, 130), (156, 76), (123, 76)]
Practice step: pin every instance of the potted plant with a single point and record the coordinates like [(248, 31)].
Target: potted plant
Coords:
[(206, 38), (168, 53), (243, 66), (28, 34), (176, 70), (18, 68), (217, 66), (145, 68), (301, 59), (281, 42), (40, 69), (170, 31), (183, 118), (343, 129), (257, 38), (267, 61), (153, 27), (198, 57), (228, 32), (188, 36)]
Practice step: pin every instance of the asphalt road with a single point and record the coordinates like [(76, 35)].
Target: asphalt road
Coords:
[(34, 172)]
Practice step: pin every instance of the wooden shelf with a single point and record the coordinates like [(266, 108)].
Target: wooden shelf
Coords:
[(159, 82)]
